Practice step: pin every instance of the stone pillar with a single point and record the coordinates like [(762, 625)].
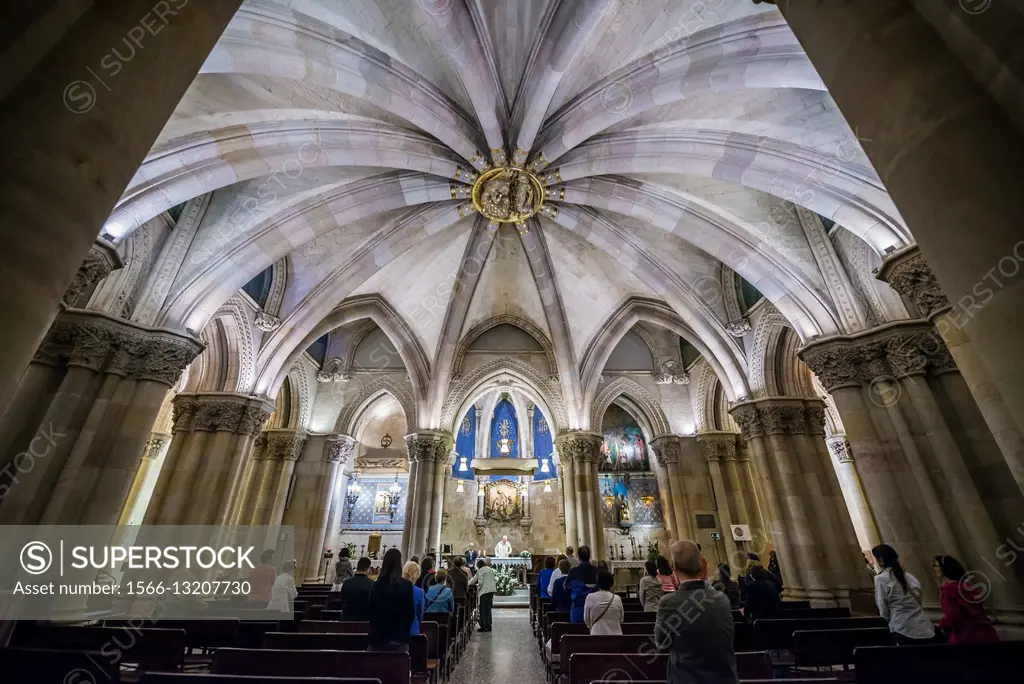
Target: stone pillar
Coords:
[(886, 384), (567, 483), (75, 456), (665, 495), (438, 489), (427, 449), (716, 449), (480, 521), (201, 479), (583, 449), (853, 492), (317, 474), (666, 449), (145, 479), (908, 273), (949, 156), (66, 166)]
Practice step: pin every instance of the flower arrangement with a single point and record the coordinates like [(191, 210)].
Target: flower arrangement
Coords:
[(653, 551), (505, 581), (524, 554)]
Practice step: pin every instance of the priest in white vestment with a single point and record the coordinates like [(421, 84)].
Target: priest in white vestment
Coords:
[(503, 549)]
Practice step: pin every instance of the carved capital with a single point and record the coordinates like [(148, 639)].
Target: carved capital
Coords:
[(783, 420), (154, 445), (339, 448), (666, 449), (717, 447), (815, 419), (99, 262), (285, 445), (579, 446), (840, 449), (266, 322), (747, 418), (429, 446), (183, 411), (253, 418), (835, 365), (216, 415), (908, 273)]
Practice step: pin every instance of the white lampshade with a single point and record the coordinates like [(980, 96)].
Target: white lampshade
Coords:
[(462, 465), (459, 488), (544, 468), (547, 485)]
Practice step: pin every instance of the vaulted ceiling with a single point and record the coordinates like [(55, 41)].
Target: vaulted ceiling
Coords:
[(674, 137)]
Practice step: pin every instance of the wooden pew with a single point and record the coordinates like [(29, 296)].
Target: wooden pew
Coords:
[(638, 646), (836, 646), (250, 634), (639, 616), (817, 614), (147, 648), (331, 614), (334, 627), (201, 634), (778, 633), (390, 668), (326, 641), (205, 678), (585, 668), (796, 605), (48, 666), (1000, 663)]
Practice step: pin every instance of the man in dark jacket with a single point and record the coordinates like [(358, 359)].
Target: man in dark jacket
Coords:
[(580, 583), (695, 625), (355, 594), (458, 579)]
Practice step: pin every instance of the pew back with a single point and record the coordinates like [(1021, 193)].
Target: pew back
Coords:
[(148, 648), (836, 646), (390, 668), (999, 663), (778, 634), (47, 666)]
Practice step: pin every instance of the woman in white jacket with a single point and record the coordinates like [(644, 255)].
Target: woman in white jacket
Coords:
[(898, 596), (283, 592), (603, 611)]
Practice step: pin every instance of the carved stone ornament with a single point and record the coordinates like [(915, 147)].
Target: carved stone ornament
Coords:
[(909, 274), (99, 262), (153, 446), (183, 410), (815, 419), (508, 194), (582, 447), (213, 415), (285, 446), (266, 322), (784, 420), (369, 463), (429, 447), (717, 447), (253, 419), (666, 449), (738, 328), (98, 341), (841, 450), (746, 416), (339, 448), (671, 373)]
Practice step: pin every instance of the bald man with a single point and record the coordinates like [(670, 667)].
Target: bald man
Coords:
[(694, 625)]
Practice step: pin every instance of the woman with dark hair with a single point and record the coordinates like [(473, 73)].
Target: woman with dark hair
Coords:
[(426, 579), (963, 605), (544, 577), (650, 590), (773, 568), (898, 595), (666, 576), (390, 607), (725, 584)]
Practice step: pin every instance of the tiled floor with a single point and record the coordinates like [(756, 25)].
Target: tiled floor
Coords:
[(509, 653)]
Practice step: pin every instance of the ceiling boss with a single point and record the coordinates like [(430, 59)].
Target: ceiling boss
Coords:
[(506, 194)]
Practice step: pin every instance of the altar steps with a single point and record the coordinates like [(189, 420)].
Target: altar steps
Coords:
[(520, 598)]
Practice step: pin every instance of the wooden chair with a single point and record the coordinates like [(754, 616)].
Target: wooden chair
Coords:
[(389, 668), (836, 646), (48, 666), (999, 663), (778, 633), (147, 648)]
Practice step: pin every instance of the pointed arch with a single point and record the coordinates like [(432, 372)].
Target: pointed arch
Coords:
[(504, 372), (775, 369), (641, 398), (303, 385), (369, 393), (504, 319)]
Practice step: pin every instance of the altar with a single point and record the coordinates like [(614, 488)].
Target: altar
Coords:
[(518, 563)]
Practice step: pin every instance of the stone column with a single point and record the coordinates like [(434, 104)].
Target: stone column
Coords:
[(441, 470), (908, 273), (716, 448), (665, 495), (145, 479), (884, 382), (66, 166), (75, 463), (666, 448), (567, 482), (318, 474), (201, 480), (853, 492), (427, 448), (947, 153), (583, 449)]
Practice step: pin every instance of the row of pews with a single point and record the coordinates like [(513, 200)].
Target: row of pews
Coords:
[(244, 645), (806, 645)]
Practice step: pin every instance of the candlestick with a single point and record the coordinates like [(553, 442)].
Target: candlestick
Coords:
[(611, 549)]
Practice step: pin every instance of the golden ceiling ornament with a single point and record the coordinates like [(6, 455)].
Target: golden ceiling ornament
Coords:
[(508, 195)]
